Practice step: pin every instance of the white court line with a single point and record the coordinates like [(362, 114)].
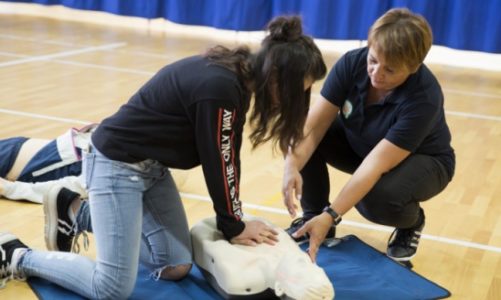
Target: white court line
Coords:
[(108, 68), (140, 53), (25, 39), (87, 65), (147, 73), (61, 54), (143, 53), (454, 113), (473, 116), (276, 210), (150, 54), (64, 120), (45, 117), (139, 72), (474, 94), (360, 225)]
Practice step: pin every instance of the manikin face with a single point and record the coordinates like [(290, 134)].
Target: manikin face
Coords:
[(383, 75)]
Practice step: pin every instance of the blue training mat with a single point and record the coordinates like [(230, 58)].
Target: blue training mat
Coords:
[(356, 270)]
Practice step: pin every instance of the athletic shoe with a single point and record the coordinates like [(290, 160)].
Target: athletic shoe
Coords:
[(298, 223), (11, 249), (403, 242), (60, 230)]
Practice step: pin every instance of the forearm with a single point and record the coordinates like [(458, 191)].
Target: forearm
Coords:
[(384, 157), (218, 142), (320, 118), (299, 156), (356, 188)]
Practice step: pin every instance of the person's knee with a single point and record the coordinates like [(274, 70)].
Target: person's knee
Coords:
[(390, 208), (114, 294), (175, 272), (384, 205), (120, 287)]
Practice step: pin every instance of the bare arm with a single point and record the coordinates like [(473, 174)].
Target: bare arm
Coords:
[(320, 117), (384, 157)]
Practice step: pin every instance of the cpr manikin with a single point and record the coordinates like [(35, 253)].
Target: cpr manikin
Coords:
[(259, 272)]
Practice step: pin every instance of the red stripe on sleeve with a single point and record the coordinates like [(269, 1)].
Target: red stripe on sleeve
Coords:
[(223, 166)]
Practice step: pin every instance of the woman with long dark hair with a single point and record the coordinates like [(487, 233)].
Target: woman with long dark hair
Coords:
[(191, 113)]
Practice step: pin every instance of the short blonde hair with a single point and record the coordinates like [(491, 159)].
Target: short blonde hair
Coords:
[(402, 37)]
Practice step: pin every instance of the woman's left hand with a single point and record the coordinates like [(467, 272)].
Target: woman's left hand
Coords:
[(256, 232)]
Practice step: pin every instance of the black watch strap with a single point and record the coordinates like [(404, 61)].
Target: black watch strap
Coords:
[(335, 216)]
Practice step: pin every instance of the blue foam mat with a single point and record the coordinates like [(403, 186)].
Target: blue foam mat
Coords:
[(356, 270)]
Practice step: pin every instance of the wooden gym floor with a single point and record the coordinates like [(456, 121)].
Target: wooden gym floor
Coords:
[(58, 74)]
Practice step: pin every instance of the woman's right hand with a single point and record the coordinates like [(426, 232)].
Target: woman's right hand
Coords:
[(317, 229), (256, 232), (292, 185)]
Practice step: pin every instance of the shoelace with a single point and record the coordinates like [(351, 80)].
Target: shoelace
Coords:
[(404, 237), (5, 274), (15, 273), (297, 222), (75, 245)]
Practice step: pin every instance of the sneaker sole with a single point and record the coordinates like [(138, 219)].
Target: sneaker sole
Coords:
[(6, 237), (50, 212), (302, 242), (401, 259)]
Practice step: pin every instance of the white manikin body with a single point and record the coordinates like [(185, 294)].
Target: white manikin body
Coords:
[(246, 271)]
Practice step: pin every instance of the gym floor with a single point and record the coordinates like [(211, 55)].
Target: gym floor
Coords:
[(58, 74)]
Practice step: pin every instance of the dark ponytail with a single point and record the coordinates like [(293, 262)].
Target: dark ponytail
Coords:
[(285, 29), (286, 58)]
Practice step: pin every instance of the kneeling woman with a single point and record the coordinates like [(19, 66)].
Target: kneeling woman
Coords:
[(191, 113)]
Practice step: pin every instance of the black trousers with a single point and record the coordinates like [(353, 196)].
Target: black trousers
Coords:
[(393, 201)]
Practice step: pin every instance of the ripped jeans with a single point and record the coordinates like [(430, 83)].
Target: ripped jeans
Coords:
[(137, 216)]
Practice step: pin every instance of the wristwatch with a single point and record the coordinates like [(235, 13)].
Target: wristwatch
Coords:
[(335, 216)]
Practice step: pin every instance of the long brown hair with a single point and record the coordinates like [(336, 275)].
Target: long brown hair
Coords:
[(286, 58), (277, 72)]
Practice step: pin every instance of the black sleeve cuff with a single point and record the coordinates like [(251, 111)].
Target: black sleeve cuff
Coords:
[(230, 228)]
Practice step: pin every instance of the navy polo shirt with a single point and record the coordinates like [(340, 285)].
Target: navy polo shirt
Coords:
[(411, 117)]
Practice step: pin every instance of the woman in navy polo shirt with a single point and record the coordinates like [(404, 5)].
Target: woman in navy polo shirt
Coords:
[(380, 118)]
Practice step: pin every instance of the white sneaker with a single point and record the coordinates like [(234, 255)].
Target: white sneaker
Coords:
[(11, 249), (61, 231)]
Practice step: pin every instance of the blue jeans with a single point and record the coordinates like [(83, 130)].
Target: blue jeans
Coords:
[(137, 216)]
